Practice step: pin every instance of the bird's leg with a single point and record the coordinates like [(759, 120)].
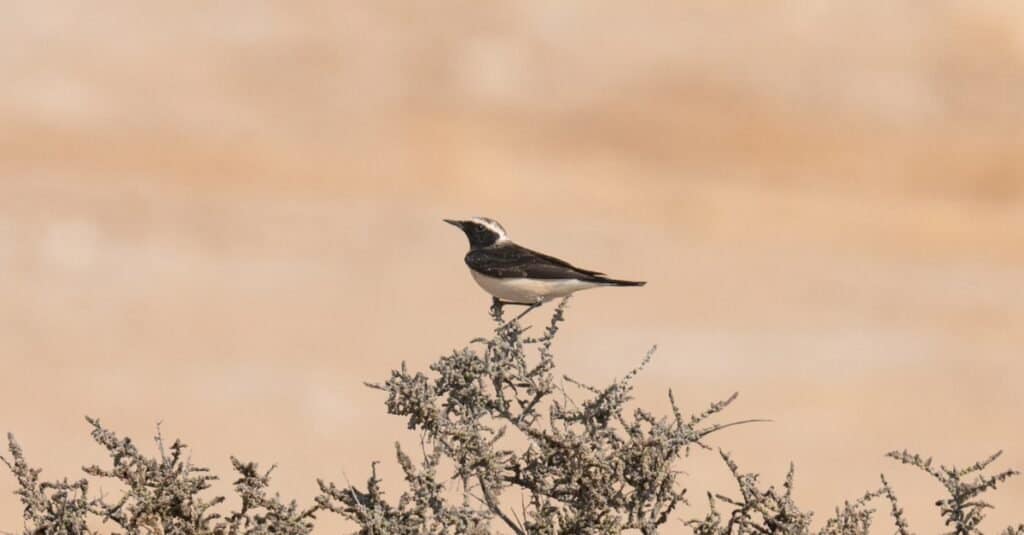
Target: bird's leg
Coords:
[(496, 310)]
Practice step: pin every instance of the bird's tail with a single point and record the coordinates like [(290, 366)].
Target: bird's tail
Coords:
[(617, 282)]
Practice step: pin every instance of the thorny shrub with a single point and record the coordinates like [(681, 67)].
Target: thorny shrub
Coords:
[(506, 446)]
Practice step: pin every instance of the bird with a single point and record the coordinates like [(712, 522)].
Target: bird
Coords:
[(515, 275)]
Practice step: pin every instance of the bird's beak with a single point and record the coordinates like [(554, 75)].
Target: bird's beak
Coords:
[(454, 222)]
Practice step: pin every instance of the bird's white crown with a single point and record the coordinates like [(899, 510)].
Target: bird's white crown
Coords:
[(492, 225)]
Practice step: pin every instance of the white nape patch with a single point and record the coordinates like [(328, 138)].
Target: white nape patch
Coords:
[(526, 291), (493, 225)]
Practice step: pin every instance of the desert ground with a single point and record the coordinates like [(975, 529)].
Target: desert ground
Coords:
[(226, 216)]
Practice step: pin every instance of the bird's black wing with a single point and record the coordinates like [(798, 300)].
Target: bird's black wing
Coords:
[(508, 260)]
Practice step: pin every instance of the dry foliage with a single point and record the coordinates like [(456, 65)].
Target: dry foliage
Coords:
[(506, 445)]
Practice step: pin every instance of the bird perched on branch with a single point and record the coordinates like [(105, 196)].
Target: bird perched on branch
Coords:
[(514, 274)]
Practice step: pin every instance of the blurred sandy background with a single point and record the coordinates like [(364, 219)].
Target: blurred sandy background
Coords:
[(226, 216)]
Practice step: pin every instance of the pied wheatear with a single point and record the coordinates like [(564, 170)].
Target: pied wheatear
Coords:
[(514, 274)]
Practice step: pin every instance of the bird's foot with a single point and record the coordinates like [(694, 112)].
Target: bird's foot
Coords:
[(497, 310)]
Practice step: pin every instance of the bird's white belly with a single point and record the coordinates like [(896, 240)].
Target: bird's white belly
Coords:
[(522, 290)]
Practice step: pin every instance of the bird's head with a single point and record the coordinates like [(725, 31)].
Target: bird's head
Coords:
[(481, 231)]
